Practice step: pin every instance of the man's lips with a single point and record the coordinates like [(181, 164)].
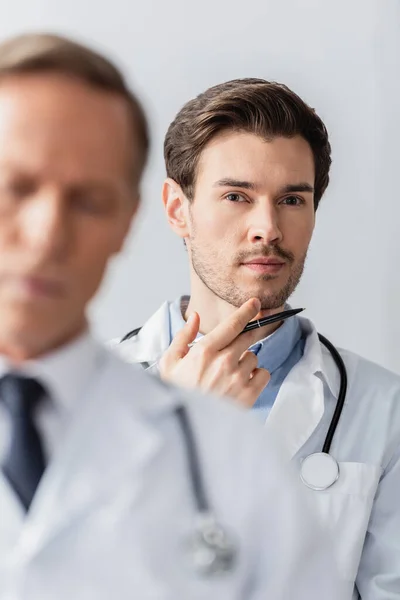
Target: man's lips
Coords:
[(270, 265), (37, 286), (264, 261)]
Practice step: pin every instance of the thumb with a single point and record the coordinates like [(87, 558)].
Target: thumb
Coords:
[(179, 346)]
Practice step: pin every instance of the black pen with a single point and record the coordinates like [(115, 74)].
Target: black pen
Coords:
[(272, 319), (282, 316)]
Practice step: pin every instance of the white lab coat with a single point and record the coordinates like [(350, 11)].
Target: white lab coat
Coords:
[(362, 509), (114, 510)]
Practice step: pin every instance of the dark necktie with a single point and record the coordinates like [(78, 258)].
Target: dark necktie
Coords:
[(24, 462)]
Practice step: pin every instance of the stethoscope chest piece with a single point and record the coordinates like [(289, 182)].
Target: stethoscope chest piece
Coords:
[(319, 471), (211, 550)]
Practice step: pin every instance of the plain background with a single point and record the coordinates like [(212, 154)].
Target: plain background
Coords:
[(343, 58)]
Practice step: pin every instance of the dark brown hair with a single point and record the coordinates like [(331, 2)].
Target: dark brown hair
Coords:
[(265, 108), (36, 53)]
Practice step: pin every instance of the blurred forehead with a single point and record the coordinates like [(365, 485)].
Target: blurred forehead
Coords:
[(60, 124)]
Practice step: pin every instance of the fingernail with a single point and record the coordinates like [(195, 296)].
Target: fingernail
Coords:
[(256, 304), (190, 319)]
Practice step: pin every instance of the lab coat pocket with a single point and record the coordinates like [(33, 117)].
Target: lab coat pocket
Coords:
[(345, 509)]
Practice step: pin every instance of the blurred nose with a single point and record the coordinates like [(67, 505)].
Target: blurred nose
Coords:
[(44, 226)]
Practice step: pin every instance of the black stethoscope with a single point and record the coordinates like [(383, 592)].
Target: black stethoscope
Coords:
[(319, 471), (211, 549)]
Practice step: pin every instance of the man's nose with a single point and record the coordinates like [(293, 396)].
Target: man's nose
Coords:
[(264, 225), (44, 225)]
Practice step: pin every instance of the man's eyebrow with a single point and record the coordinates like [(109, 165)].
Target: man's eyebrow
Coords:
[(92, 186), (297, 187), (248, 185), (238, 183)]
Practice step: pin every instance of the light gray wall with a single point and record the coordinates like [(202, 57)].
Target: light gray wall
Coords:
[(343, 57)]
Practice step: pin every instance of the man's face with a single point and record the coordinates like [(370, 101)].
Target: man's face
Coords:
[(66, 202), (252, 217)]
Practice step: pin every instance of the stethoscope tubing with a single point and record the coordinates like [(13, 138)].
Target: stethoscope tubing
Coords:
[(341, 396)]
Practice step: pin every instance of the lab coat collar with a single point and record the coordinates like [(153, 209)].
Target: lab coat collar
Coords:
[(152, 340), (300, 403), (320, 360), (64, 372)]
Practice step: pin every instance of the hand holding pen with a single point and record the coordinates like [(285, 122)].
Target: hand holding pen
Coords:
[(220, 362)]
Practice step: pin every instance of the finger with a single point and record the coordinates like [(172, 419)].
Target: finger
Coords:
[(259, 380), (242, 343), (228, 330), (256, 385), (179, 346), (248, 363)]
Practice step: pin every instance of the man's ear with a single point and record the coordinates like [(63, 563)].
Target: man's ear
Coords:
[(175, 205)]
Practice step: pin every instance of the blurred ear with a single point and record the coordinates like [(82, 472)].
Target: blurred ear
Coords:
[(175, 205)]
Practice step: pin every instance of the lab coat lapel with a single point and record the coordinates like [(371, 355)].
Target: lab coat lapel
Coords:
[(109, 447), (11, 519), (151, 341), (299, 405)]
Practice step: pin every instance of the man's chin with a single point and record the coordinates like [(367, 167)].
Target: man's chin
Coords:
[(270, 299), (30, 320)]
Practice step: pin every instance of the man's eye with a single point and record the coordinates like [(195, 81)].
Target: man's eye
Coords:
[(19, 188), (293, 201), (234, 197), (89, 204)]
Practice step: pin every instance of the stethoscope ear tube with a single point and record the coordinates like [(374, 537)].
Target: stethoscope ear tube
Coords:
[(342, 392), (199, 493)]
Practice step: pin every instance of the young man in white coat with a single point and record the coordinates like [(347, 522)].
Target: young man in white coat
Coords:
[(114, 485), (247, 164)]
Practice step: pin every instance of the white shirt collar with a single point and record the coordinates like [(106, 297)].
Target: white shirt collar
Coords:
[(64, 372)]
